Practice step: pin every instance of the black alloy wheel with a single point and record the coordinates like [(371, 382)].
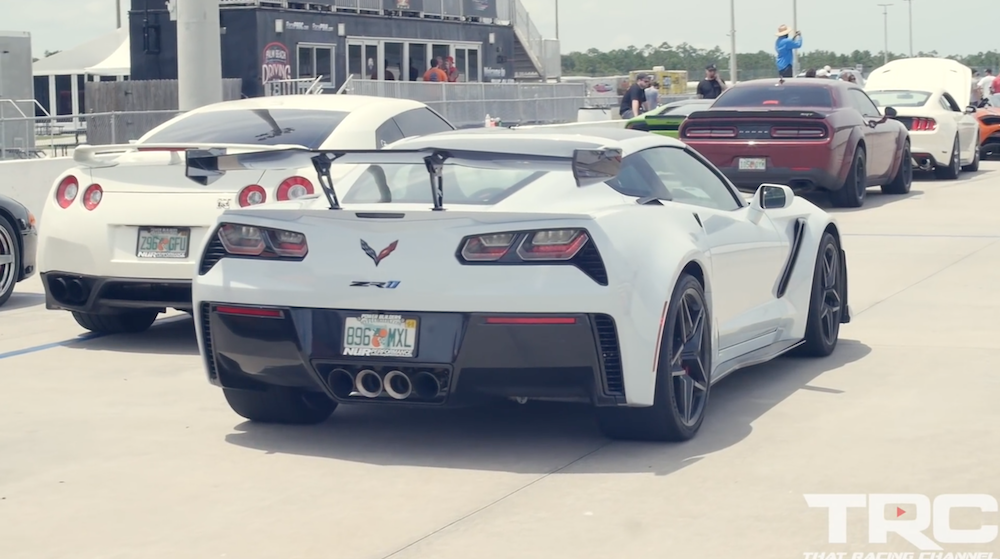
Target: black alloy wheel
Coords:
[(903, 180), (687, 366), (826, 304)]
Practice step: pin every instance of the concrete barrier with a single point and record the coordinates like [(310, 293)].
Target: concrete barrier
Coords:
[(29, 180)]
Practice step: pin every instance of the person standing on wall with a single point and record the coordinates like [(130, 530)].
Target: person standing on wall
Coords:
[(785, 46), (635, 98), (712, 86)]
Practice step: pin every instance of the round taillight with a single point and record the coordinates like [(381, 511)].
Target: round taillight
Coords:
[(252, 195), (92, 196), (294, 187), (67, 191)]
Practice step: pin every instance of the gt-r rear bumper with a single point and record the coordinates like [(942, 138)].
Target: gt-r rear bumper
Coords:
[(95, 294), (461, 355)]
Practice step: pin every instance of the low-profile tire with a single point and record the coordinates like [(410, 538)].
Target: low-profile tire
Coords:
[(903, 180), (974, 166), (278, 404), (852, 193), (682, 375), (10, 259), (121, 322), (826, 301), (954, 166)]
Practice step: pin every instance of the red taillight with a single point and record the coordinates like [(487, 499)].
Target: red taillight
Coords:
[(786, 132), (555, 244), (923, 125), (92, 196), (252, 195), (487, 248), (710, 133), (69, 187), (249, 311), (292, 188), (287, 243), (529, 320), (247, 240)]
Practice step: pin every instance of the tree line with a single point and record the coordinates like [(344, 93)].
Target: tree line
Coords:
[(749, 65)]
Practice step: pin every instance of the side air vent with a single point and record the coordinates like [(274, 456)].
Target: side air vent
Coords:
[(589, 261), (206, 333), (607, 337), (213, 253)]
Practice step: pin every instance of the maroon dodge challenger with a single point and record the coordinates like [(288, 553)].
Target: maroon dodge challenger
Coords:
[(808, 133)]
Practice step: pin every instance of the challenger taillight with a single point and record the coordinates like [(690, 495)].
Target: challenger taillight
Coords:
[(556, 244), (92, 196), (548, 245), (796, 133), (247, 240), (252, 195), (713, 132), (923, 125), (292, 188), (69, 187)]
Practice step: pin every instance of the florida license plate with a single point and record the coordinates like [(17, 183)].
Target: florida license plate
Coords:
[(163, 242), (380, 335), (753, 164)]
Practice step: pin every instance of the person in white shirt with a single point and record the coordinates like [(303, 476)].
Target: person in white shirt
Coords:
[(984, 84)]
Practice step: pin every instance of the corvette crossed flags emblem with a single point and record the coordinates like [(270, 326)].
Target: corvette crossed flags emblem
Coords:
[(376, 258)]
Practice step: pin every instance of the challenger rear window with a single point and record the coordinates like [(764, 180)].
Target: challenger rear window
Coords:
[(775, 96), (410, 184), (899, 98), (309, 128), (682, 110)]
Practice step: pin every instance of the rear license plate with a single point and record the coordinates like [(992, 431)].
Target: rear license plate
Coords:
[(753, 164), (163, 242), (380, 335)]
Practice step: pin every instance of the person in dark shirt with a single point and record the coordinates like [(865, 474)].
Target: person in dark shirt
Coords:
[(712, 86), (635, 98)]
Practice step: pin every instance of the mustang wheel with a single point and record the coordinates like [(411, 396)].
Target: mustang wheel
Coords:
[(974, 166), (954, 167), (682, 375), (904, 177), (122, 322), (278, 404), (826, 302), (10, 259), (852, 193)]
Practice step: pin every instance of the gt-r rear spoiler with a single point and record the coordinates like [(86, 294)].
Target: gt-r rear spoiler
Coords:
[(756, 113), (98, 156), (590, 166)]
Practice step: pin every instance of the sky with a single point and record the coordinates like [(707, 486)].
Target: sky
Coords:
[(843, 25)]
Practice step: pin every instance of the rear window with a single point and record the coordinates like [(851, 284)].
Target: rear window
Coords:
[(775, 96), (685, 109), (411, 184), (309, 128), (899, 98)]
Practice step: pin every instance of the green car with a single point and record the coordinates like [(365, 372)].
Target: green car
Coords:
[(666, 119)]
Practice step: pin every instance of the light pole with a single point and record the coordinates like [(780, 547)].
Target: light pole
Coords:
[(885, 31), (557, 20), (795, 27), (118, 13), (909, 7), (3, 121), (732, 42)]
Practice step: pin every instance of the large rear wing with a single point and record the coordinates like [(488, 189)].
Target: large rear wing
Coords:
[(589, 166), (756, 113), (103, 156)]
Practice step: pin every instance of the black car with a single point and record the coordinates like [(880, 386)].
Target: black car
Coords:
[(18, 241)]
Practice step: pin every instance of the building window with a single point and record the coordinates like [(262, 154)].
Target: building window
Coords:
[(316, 61)]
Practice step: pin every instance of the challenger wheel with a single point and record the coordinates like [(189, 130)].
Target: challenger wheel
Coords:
[(954, 167), (682, 375), (10, 259), (852, 193), (122, 322), (826, 303), (278, 404), (904, 176)]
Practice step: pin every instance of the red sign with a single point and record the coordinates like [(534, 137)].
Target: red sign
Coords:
[(277, 65)]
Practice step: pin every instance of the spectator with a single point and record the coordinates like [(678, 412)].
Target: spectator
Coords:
[(450, 69), (414, 73), (712, 86), (995, 86), (977, 93), (986, 83), (389, 76), (652, 96), (811, 73), (848, 77), (434, 73), (635, 98), (822, 73), (785, 47)]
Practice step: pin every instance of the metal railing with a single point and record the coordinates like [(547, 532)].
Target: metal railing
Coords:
[(300, 86), (55, 136)]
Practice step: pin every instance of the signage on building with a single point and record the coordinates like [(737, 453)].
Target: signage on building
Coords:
[(303, 26), (276, 63), (481, 8), (494, 73), (403, 5)]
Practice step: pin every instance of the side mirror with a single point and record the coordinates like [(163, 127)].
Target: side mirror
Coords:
[(593, 166), (970, 109), (889, 112), (770, 197)]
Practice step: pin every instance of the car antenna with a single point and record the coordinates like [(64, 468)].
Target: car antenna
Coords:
[(322, 164), (435, 166)]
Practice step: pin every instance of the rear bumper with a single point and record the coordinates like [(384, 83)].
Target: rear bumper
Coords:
[(803, 165), (798, 179), (578, 359), (96, 294)]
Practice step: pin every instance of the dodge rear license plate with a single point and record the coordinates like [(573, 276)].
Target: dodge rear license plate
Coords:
[(380, 335), (753, 164), (163, 242)]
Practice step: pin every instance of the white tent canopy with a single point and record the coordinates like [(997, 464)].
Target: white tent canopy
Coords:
[(103, 54)]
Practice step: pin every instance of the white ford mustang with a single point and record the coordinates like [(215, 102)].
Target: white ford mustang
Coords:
[(116, 247), (931, 97), (606, 266)]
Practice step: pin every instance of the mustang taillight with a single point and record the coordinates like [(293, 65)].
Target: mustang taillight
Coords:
[(247, 240), (294, 187), (923, 125), (92, 196), (252, 195), (69, 187), (487, 248), (792, 132), (714, 132), (556, 244)]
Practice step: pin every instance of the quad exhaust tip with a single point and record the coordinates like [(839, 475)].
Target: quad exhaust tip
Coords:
[(426, 385), (368, 384), (398, 385), (58, 288), (75, 291), (341, 383)]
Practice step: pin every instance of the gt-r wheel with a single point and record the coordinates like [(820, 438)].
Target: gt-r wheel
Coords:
[(954, 167), (682, 375), (278, 404), (10, 259), (826, 301), (904, 177), (974, 166), (121, 322), (852, 193)]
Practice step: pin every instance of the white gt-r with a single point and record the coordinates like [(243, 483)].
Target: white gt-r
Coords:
[(121, 229), (931, 97), (606, 266)]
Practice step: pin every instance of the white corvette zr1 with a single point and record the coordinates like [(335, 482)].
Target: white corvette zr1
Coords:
[(120, 229), (607, 266)]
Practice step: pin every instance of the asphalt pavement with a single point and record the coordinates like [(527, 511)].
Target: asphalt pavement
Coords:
[(117, 447)]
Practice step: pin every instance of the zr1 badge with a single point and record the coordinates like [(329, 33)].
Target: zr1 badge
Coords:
[(378, 284)]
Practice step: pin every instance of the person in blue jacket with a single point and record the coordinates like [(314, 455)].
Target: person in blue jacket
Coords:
[(785, 47)]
